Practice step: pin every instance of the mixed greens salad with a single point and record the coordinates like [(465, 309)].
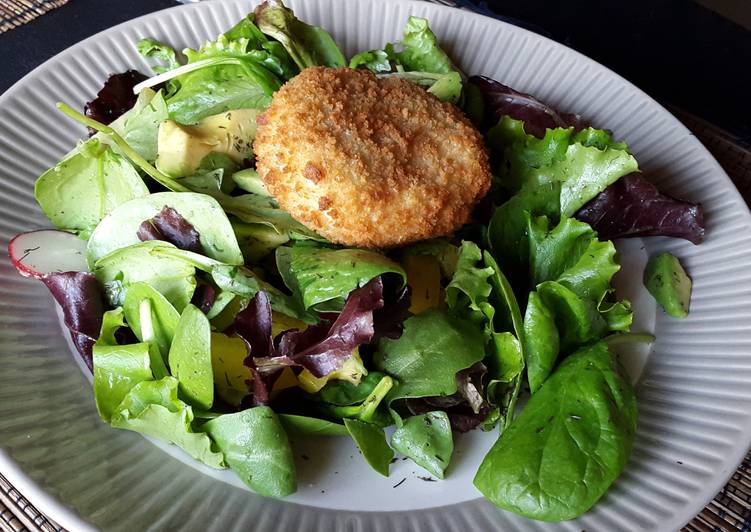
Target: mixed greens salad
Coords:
[(213, 320)]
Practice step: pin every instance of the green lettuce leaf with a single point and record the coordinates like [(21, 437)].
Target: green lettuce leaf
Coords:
[(308, 45), (309, 426), (190, 358), (120, 228), (146, 262), (86, 185), (256, 448), (162, 52), (571, 271), (371, 441), (421, 50), (585, 163), (377, 61), (139, 126), (151, 317), (427, 440), (434, 347), (319, 275), (117, 368), (152, 408), (569, 444)]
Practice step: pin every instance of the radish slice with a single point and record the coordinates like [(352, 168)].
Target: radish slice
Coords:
[(39, 253)]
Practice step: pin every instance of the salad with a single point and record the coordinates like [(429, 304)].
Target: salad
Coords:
[(214, 319)]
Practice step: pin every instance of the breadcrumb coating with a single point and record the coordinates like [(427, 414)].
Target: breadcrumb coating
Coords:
[(370, 162)]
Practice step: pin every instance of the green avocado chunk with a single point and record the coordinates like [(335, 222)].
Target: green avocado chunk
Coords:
[(182, 148), (669, 284)]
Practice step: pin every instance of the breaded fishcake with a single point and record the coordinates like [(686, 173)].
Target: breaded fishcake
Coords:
[(370, 162)]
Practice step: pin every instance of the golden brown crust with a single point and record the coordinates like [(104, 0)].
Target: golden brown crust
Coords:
[(370, 162)]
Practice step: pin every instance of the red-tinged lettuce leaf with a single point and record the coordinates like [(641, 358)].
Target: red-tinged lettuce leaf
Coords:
[(632, 206), (501, 100), (115, 98), (353, 327), (388, 321), (170, 226), (253, 324), (467, 408), (460, 415), (81, 297), (204, 295)]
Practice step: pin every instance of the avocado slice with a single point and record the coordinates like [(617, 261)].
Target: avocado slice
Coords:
[(182, 148), (669, 284)]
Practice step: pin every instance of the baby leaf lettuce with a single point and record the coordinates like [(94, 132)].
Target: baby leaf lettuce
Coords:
[(632, 206), (420, 49), (310, 426), (320, 275), (371, 441), (139, 126), (153, 408), (585, 163), (146, 262), (160, 51), (427, 440), (229, 73), (190, 358), (571, 271), (568, 445), (201, 212), (81, 297), (256, 448), (86, 185), (434, 347), (151, 317), (170, 226), (117, 368), (308, 45)]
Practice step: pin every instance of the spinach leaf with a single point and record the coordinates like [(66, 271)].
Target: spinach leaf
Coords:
[(568, 445), (368, 409), (117, 368), (319, 275), (120, 228), (146, 262), (256, 448), (434, 347), (310, 426), (421, 50), (88, 183), (541, 341), (585, 163), (427, 440), (139, 126), (151, 316), (152, 408), (371, 441), (308, 45), (190, 358)]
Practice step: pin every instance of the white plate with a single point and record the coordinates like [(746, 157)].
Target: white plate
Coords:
[(694, 390)]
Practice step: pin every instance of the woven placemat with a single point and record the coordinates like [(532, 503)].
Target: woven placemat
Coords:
[(14, 13)]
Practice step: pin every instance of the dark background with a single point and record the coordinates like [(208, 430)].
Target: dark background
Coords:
[(678, 51)]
